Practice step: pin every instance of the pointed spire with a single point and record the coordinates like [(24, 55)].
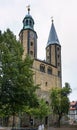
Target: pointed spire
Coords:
[(53, 38)]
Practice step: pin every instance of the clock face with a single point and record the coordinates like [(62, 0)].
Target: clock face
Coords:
[(32, 34)]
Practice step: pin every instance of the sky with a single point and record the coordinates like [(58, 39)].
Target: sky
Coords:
[(64, 13)]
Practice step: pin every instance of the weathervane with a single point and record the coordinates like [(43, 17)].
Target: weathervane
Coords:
[(52, 19), (28, 7)]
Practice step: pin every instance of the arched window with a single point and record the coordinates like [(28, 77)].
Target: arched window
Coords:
[(31, 43), (59, 74), (49, 70), (58, 48), (31, 52), (42, 68), (30, 23), (46, 83), (58, 56), (26, 22)]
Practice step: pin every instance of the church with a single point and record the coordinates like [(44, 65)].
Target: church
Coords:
[(47, 72)]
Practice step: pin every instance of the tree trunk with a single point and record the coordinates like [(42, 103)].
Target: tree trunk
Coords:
[(13, 124), (59, 119)]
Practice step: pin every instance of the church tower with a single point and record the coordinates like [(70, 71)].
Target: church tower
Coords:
[(28, 37), (47, 73), (53, 50)]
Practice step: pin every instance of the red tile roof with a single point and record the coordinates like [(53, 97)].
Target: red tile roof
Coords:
[(73, 105), (72, 108), (73, 102)]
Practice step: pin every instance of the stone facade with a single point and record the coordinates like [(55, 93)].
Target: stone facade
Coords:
[(47, 73), (46, 80)]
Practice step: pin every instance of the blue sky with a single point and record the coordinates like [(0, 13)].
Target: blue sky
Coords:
[(64, 14)]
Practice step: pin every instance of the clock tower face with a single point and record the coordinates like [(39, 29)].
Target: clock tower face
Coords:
[(32, 34)]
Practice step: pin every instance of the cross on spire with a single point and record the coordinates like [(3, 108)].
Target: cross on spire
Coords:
[(28, 8), (52, 19)]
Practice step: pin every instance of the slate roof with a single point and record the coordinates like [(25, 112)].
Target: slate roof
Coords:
[(53, 38)]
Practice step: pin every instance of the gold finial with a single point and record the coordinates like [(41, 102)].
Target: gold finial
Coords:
[(52, 19), (28, 7)]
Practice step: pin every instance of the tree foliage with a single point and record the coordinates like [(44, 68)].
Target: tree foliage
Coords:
[(17, 88), (60, 101), (41, 111)]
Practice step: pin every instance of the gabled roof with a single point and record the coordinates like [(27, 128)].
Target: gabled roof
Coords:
[(53, 38)]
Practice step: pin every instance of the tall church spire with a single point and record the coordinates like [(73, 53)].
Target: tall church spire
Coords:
[(53, 38), (53, 48)]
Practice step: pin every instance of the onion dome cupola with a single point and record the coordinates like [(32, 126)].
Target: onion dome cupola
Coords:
[(28, 21), (28, 36), (53, 38)]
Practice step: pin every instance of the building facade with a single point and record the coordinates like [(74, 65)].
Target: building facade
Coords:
[(73, 112), (47, 72)]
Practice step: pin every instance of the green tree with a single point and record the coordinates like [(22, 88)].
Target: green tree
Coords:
[(42, 111), (17, 88), (60, 101)]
